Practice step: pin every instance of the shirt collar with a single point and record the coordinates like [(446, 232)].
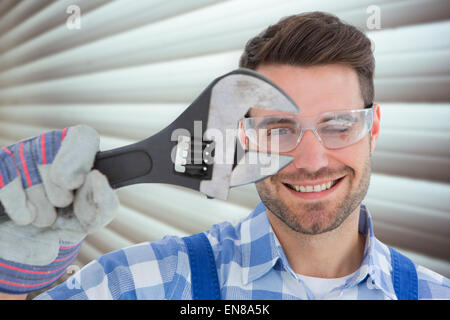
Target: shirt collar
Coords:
[(376, 265), (261, 251), (259, 244)]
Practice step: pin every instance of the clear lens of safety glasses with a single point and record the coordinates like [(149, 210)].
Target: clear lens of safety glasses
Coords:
[(283, 133)]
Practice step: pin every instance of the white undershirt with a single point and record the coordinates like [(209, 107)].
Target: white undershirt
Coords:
[(321, 287)]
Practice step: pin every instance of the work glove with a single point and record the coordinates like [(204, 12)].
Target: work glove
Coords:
[(52, 199)]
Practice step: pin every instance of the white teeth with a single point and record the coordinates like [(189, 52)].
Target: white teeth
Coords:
[(316, 188)]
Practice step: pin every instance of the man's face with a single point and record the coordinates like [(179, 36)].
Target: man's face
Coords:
[(317, 90)]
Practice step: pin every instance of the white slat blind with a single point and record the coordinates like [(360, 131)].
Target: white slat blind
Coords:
[(133, 66)]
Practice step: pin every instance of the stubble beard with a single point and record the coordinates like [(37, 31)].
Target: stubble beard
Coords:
[(319, 216)]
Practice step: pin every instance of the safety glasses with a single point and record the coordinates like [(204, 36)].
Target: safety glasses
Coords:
[(283, 133)]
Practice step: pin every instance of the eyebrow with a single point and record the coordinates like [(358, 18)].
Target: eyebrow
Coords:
[(270, 121), (346, 117)]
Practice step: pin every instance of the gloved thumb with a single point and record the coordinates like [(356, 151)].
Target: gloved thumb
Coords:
[(75, 158), (96, 203)]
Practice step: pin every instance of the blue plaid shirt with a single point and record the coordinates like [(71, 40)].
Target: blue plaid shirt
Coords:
[(251, 264)]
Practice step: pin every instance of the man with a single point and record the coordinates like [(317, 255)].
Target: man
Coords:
[(310, 238)]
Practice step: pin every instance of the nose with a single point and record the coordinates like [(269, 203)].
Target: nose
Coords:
[(310, 154)]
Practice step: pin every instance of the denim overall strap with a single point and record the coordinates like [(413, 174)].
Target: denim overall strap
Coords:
[(204, 279), (404, 276)]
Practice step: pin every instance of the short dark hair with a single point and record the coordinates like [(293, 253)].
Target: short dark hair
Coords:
[(310, 39)]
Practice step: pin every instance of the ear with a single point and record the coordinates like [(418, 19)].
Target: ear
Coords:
[(375, 127)]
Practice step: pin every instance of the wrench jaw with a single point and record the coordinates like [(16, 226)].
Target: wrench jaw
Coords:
[(256, 166), (232, 97)]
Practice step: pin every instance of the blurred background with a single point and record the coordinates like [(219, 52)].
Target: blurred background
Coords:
[(128, 68)]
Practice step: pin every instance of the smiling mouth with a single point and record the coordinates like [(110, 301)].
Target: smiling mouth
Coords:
[(313, 188)]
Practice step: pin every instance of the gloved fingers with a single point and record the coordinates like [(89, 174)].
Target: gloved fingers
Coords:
[(68, 226), (96, 203), (59, 197), (14, 200), (45, 211), (27, 244), (75, 157)]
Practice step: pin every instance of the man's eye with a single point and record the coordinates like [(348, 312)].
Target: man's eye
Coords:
[(334, 129), (342, 121), (278, 131)]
